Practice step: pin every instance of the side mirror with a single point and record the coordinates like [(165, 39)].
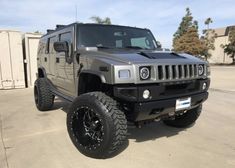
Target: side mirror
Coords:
[(61, 47), (159, 45)]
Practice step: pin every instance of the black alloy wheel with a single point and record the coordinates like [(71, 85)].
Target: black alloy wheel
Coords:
[(96, 126), (87, 127)]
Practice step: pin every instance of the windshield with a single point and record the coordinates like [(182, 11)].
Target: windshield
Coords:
[(104, 36)]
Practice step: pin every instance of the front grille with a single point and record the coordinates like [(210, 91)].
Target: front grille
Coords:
[(174, 72)]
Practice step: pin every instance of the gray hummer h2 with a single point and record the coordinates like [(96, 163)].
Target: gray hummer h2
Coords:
[(114, 74)]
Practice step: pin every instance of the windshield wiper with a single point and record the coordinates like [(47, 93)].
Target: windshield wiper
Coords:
[(103, 47), (134, 47)]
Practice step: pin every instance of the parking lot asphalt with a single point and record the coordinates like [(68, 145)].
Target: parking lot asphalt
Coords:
[(33, 139)]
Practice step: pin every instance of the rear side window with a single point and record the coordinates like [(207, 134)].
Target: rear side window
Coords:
[(42, 46), (49, 46)]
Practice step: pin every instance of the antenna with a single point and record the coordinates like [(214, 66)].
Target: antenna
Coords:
[(76, 13)]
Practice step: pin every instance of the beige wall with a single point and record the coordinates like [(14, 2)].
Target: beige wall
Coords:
[(218, 55)]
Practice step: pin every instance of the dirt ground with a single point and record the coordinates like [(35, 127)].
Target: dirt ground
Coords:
[(33, 139)]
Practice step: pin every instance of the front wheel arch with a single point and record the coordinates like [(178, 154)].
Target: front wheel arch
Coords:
[(89, 82)]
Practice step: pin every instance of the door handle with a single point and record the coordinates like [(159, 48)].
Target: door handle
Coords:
[(78, 57), (57, 60), (80, 69)]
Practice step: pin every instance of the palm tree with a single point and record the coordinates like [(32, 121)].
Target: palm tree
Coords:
[(99, 20), (207, 22)]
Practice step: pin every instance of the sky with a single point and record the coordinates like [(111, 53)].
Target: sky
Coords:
[(162, 17)]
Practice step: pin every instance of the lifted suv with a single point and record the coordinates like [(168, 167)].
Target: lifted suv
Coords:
[(114, 74)]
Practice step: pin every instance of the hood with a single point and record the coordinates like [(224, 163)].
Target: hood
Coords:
[(145, 56)]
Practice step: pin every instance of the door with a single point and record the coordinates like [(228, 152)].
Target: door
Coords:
[(51, 59), (32, 46), (64, 70)]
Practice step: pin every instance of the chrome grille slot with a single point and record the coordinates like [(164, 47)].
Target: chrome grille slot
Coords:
[(191, 70), (170, 72), (160, 72), (185, 71), (180, 71), (196, 70), (174, 73), (177, 72), (188, 71), (167, 72)]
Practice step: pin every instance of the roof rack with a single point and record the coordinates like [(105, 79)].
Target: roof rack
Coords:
[(60, 26), (49, 30)]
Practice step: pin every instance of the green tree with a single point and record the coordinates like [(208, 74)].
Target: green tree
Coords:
[(189, 42), (230, 47), (99, 20), (187, 22), (186, 38)]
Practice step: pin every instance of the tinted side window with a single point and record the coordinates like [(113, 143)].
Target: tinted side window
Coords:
[(67, 37)]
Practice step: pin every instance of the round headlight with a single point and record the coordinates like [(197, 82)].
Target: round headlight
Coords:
[(144, 73), (200, 70)]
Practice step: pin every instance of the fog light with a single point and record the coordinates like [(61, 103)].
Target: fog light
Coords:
[(146, 94), (204, 86)]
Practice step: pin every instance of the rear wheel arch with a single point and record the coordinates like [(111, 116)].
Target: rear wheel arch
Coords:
[(41, 72)]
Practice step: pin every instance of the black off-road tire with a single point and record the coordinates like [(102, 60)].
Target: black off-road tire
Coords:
[(186, 119), (44, 99), (111, 120)]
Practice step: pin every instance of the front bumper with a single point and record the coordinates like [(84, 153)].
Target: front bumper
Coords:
[(162, 108), (162, 100), (159, 91)]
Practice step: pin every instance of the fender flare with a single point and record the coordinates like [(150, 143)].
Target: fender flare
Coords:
[(43, 71), (99, 74)]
